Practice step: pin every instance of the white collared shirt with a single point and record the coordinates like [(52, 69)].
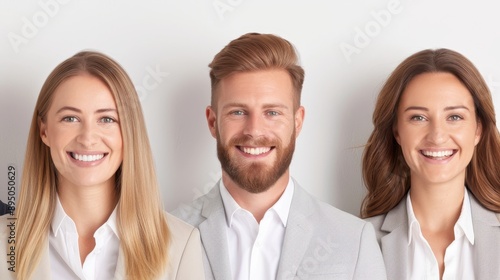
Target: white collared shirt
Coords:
[(64, 253), (255, 249), (458, 258)]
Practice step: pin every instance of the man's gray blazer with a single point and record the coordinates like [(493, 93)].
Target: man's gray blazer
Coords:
[(392, 235), (321, 242)]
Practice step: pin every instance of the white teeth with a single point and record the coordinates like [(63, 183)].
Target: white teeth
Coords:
[(87, 158), (256, 151), (438, 154)]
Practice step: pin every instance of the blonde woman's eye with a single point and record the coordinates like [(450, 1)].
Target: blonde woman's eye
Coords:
[(69, 119), (108, 120)]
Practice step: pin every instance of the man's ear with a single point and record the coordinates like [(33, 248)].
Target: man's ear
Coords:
[(299, 120), (43, 131), (211, 120)]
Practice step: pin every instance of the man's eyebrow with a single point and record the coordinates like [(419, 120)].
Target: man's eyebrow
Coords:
[(233, 104), (275, 105), (265, 106)]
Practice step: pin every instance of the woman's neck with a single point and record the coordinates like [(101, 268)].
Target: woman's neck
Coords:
[(437, 206), (88, 206)]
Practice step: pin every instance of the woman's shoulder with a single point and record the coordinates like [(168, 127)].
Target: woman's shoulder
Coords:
[(185, 253), (376, 221), (178, 227), (392, 219), (182, 234)]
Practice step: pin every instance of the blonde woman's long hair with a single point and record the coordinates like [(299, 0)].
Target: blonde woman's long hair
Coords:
[(143, 231)]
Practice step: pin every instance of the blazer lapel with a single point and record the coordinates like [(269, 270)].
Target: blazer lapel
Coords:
[(213, 235), (213, 238), (394, 245), (486, 241), (297, 235)]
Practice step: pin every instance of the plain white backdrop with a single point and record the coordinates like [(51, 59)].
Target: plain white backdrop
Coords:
[(347, 48)]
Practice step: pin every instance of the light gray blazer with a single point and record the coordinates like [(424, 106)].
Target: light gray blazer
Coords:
[(392, 235), (321, 242), (185, 259)]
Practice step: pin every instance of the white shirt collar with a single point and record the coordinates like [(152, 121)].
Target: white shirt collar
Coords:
[(64, 254), (281, 207), (60, 216), (463, 224), (465, 219)]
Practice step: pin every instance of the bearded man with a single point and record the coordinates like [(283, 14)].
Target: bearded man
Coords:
[(257, 222)]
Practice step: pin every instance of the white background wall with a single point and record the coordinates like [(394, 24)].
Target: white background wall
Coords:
[(348, 48)]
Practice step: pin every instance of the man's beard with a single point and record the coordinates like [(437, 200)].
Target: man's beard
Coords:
[(255, 177)]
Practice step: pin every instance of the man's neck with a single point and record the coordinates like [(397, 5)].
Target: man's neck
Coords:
[(256, 203)]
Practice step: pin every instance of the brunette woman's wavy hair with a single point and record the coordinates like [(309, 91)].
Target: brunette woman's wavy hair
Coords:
[(385, 172), (143, 232)]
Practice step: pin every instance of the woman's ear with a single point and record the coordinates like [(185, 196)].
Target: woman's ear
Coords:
[(43, 131), (479, 133), (395, 133)]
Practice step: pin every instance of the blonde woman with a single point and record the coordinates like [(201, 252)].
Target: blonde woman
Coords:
[(89, 204)]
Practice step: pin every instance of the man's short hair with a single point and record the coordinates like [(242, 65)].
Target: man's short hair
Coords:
[(253, 52)]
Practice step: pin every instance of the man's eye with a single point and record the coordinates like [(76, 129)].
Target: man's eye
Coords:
[(237, 113)]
